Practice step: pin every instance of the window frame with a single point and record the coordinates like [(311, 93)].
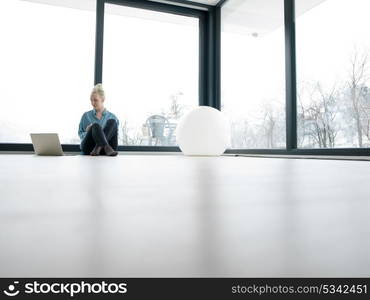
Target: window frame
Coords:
[(291, 100), (210, 73), (207, 72)]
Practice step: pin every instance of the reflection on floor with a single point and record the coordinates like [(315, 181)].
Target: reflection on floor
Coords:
[(171, 215)]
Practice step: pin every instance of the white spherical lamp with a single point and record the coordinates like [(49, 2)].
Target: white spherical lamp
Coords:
[(203, 131)]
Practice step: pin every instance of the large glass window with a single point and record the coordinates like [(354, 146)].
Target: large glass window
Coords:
[(333, 74), (46, 67), (253, 72), (150, 72)]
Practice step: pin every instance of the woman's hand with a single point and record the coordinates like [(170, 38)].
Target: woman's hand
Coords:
[(88, 126)]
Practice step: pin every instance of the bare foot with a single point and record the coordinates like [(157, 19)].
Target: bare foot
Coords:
[(96, 150), (109, 151)]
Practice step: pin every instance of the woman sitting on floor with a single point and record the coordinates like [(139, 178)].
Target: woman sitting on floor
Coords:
[(98, 129)]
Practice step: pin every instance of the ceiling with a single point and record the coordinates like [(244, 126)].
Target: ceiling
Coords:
[(90, 4), (254, 17), (258, 17)]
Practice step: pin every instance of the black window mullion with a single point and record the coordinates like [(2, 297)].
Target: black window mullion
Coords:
[(203, 64), (290, 75), (99, 36), (210, 36)]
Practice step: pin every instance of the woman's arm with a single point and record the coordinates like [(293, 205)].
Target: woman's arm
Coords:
[(81, 130), (88, 126), (115, 117)]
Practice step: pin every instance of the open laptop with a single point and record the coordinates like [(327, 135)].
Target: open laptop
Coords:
[(46, 144)]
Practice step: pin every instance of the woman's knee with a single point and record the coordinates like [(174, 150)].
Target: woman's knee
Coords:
[(111, 122), (95, 126)]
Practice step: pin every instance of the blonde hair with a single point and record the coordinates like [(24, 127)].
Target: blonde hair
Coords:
[(98, 89)]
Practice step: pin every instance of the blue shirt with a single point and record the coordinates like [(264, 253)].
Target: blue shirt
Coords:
[(90, 117)]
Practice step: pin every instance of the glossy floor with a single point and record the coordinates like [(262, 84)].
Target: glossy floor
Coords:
[(171, 215)]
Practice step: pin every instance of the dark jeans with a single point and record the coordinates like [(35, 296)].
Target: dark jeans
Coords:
[(96, 135)]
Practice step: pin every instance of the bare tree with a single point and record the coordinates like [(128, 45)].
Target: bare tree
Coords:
[(272, 124), (176, 109), (302, 128), (358, 77), (243, 135), (319, 116), (125, 136), (128, 138), (365, 109), (268, 126)]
